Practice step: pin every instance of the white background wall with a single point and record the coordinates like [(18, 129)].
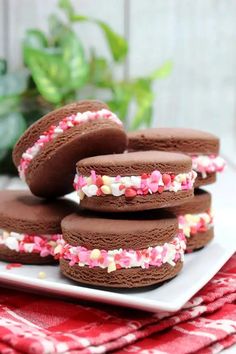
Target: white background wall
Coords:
[(199, 36)]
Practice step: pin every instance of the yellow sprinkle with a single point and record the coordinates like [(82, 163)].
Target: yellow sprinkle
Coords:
[(111, 267), (5, 234), (41, 275), (106, 189), (89, 181), (189, 218), (95, 254), (52, 243), (58, 249), (80, 194), (207, 218), (186, 231), (106, 180)]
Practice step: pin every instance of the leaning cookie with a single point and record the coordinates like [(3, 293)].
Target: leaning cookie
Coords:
[(30, 227), (203, 147), (47, 152), (123, 251), (196, 220), (134, 181)]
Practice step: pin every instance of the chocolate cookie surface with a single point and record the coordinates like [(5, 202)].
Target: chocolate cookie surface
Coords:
[(111, 231), (203, 147), (196, 220), (8, 255), (30, 226), (134, 181), (128, 251), (47, 152), (124, 278), (21, 212), (189, 141), (201, 202)]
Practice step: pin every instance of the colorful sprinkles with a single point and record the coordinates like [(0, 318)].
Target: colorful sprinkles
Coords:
[(54, 131), (191, 224), (205, 164), (44, 245), (130, 186), (122, 259)]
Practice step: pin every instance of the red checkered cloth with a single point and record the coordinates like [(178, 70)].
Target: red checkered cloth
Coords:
[(36, 324)]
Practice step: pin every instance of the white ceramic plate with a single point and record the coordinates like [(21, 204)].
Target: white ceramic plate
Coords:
[(199, 268)]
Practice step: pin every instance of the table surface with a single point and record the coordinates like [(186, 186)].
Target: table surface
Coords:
[(224, 193)]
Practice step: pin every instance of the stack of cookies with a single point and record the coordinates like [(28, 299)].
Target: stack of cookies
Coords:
[(195, 217), (136, 207)]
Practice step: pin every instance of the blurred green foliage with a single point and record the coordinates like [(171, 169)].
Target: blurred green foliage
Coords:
[(58, 70)]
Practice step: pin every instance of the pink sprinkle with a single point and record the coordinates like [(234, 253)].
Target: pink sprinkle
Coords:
[(155, 176), (93, 176), (153, 186), (117, 179)]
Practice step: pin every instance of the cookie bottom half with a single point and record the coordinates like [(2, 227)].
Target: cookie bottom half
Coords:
[(122, 278), (8, 255), (200, 181), (199, 240), (140, 202)]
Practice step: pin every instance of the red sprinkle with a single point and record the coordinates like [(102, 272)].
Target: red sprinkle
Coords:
[(99, 181), (144, 176), (99, 192), (130, 193), (13, 265), (121, 187), (160, 189), (193, 230), (166, 179)]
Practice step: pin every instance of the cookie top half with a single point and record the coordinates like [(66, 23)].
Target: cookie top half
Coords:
[(127, 230), (23, 213), (47, 152), (135, 163), (184, 140)]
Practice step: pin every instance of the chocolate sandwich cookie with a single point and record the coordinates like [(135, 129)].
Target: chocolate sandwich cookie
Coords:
[(30, 227), (134, 181), (201, 146), (196, 220), (47, 152), (122, 251)]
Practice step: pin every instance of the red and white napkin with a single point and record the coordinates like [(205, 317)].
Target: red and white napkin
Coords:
[(38, 325)]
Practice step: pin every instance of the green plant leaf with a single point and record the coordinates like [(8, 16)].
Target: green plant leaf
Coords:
[(163, 71), (99, 72), (3, 67), (143, 115), (35, 39), (67, 7), (79, 18), (117, 44), (9, 104), (11, 127), (49, 73), (144, 98), (74, 58), (56, 29), (13, 84), (122, 95)]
